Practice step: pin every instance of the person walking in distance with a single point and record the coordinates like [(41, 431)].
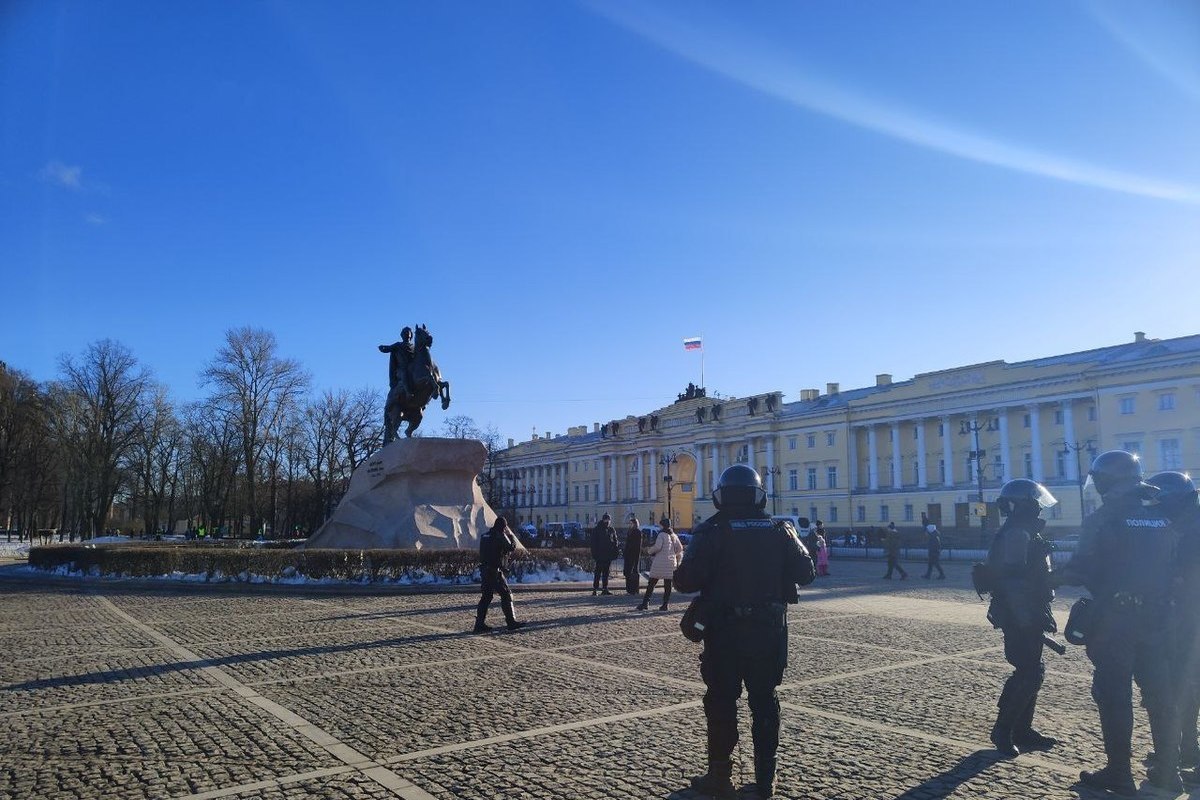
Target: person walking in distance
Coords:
[(746, 568), (667, 551), (1019, 565), (632, 554), (604, 550), (494, 547), (935, 552), (891, 546)]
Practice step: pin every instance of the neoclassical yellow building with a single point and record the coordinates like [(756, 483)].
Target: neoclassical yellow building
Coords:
[(898, 451)]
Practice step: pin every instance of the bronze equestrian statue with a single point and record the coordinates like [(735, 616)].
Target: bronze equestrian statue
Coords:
[(414, 379)]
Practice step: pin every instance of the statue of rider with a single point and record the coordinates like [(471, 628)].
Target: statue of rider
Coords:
[(402, 353)]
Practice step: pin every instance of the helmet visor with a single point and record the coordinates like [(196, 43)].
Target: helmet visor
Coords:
[(1045, 499)]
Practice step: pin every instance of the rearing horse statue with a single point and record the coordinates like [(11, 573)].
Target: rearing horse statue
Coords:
[(407, 403)]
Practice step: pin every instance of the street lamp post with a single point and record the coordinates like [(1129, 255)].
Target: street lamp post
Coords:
[(771, 473), (977, 455), (1068, 448), (668, 459)]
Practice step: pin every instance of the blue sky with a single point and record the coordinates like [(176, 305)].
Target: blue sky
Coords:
[(563, 191)]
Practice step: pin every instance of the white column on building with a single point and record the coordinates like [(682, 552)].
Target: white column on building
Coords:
[(641, 486), (948, 451), (852, 432), (1069, 436), (700, 470), (1035, 442), (618, 467), (602, 488), (897, 464), (539, 480), (922, 460), (566, 482), (716, 458), (654, 476), (771, 466), (1005, 449), (872, 460)]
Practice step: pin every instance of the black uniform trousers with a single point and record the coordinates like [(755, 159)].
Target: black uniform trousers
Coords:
[(1131, 642), (1187, 687), (935, 562), (1018, 700), (600, 575), (494, 583), (749, 649)]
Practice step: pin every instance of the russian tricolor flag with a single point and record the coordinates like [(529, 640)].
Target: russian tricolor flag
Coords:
[(692, 344)]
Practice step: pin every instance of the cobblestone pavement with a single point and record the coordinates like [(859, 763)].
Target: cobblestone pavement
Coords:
[(196, 692)]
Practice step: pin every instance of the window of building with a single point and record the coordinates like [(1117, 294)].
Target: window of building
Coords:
[(916, 472), (576, 493), (812, 514), (833, 514), (791, 443), (1029, 465), (831, 477), (811, 439), (884, 515), (585, 492), (812, 477), (1166, 401), (916, 431), (793, 480), (1125, 405), (998, 468), (941, 429), (830, 438), (860, 514), (891, 434), (1060, 464), (942, 470), (1168, 454), (743, 453), (1058, 416), (1091, 413), (1132, 447), (908, 512), (1027, 421)]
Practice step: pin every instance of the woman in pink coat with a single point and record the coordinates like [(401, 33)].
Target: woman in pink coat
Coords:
[(667, 551), (822, 555)]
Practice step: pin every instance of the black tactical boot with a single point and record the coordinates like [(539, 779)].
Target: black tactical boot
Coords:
[(764, 777), (1164, 778), (715, 786), (1032, 740), (481, 627), (1110, 779), (1001, 737)]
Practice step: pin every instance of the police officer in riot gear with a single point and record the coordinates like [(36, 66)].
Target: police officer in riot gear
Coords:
[(1019, 566), (746, 568), (1177, 497), (494, 548), (1125, 561)]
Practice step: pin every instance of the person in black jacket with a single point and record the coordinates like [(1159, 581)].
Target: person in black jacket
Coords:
[(1019, 563), (1177, 498), (1126, 560), (746, 568), (633, 556), (604, 550), (494, 548), (935, 552)]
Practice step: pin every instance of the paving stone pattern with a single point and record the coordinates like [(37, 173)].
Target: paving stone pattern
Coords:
[(196, 692)]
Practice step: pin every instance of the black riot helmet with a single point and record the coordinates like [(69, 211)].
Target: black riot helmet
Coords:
[(1176, 492), (740, 486), (1022, 497), (1115, 469)]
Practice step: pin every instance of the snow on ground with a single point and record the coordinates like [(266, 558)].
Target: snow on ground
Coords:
[(14, 549)]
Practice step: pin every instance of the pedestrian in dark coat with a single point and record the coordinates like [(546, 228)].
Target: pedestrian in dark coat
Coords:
[(891, 545), (633, 556), (494, 549), (604, 550), (935, 553)]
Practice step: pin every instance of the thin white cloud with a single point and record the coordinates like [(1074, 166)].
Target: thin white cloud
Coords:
[(92, 218), (64, 175), (1163, 35), (753, 65)]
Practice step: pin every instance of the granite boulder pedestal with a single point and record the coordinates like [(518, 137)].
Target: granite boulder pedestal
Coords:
[(413, 494)]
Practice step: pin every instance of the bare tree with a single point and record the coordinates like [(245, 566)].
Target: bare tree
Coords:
[(256, 389), (28, 455), (102, 404), (210, 462), (155, 461), (463, 427)]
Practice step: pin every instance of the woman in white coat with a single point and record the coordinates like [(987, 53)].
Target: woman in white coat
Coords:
[(667, 551)]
